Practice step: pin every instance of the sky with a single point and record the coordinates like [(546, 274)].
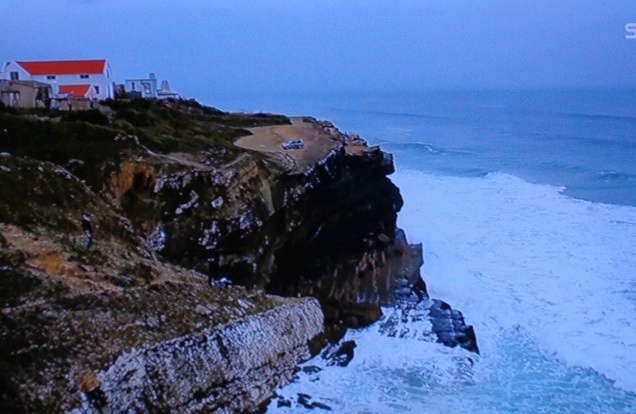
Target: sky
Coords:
[(270, 46)]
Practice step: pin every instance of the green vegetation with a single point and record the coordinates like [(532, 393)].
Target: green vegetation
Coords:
[(34, 193), (93, 116), (83, 148), (91, 143), (185, 125)]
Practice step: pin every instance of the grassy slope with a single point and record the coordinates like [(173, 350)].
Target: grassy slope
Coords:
[(90, 143)]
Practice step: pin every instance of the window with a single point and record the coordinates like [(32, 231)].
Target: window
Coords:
[(97, 89), (133, 86), (15, 76), (42, 95), (50, 76), (83, 76)]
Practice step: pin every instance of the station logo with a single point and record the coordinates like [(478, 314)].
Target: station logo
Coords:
[(630, 31)]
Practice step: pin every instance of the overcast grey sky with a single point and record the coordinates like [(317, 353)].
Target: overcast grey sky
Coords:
[(302, 45)]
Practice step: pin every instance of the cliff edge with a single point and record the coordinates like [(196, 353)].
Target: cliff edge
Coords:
[(220, 259)]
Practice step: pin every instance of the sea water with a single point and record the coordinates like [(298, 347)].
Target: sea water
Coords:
[(525, 202)]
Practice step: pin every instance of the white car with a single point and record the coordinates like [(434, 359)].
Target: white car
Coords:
[(294, 144)]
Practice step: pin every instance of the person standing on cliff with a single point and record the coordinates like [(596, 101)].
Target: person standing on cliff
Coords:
[(87, 226), (213, 268)]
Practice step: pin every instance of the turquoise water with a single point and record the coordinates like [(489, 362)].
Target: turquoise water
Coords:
[(525, 203)]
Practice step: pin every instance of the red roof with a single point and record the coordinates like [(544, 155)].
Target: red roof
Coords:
[(78, 91), (64, 67)]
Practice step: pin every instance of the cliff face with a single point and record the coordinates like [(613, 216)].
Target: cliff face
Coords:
[(182, 197), (94, 329), (318, 221), (228, 368), (114, 328)]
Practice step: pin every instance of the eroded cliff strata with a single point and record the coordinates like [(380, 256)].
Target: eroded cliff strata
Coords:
[(113, 328), (319, 221), (203, 224)]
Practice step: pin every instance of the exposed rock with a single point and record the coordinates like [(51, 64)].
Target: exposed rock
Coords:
[(414, 314), (236, 366), (282, 402), (450, 327), (322, 225), (311, 369), (67, 311), (305, 400), (339, 355)]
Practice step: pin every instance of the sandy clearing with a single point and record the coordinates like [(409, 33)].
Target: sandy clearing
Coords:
[(267, 140)]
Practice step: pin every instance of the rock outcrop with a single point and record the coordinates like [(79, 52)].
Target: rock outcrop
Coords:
[(413, 306), (113, 328), (313, 222), (229, 368)]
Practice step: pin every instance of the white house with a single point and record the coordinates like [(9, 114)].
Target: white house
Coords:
[(147, 88), (93, 76), (142, 88)]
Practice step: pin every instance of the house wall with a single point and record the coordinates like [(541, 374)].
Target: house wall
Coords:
[(147, 87), (14, 67), (167, 95), (98, 81)]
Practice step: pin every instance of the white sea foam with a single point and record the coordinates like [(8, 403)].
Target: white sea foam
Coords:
[(548, 283), (386, 375), (513, 254)]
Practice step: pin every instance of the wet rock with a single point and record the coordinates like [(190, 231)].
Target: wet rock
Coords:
[(358, 315), (283, 402), (413, 309), (323, 406), (450, 327), (305, 401), (339, 355), (311, 369)]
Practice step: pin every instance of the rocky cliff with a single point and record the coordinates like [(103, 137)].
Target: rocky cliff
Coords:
[(203, 224), (224, 368)]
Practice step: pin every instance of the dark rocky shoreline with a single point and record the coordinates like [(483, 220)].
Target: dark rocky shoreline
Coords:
[(141, 321)]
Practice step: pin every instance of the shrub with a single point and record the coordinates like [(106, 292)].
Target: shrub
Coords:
[(92, 116)]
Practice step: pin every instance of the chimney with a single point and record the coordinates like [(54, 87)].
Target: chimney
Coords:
[(152, 76), (164, 85)]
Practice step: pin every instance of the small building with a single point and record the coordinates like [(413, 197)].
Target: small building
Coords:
[(147, 88), (64, 73), (76, 97), (25, 94), (164, 92), (142, 88)]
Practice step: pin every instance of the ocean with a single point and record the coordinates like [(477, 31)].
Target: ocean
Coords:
[(525, 203)]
